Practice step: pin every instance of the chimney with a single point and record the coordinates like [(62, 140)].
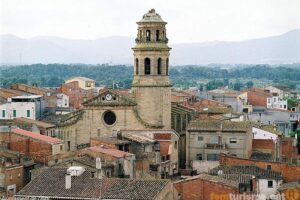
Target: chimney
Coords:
[(68, 181), (99, 167)]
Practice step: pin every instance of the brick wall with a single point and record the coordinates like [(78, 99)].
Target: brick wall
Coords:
[(38, 150), (257, 97), (287, 149), (76, 94), (14, 175), (263, 145), (289, 172), (199, 189)]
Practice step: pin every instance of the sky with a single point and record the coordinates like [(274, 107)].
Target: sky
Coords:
[(188, 20)]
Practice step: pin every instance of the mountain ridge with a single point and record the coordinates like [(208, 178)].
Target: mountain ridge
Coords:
[(279, 49)]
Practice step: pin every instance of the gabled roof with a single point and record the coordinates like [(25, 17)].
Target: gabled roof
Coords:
[(215, 179), (36, 122), (118, 99), (36, 136), (259, 173), (109, 151), (51, 183)]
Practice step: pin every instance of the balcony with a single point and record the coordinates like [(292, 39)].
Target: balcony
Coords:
[(215, 146)]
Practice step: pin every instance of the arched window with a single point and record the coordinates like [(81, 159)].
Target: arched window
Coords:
[(136, 66), (167, 66), (163, 35), (157, 35), (147, 66), (148, 35), (159, 66)]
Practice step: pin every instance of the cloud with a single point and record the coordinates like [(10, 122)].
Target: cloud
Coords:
[(188, 21)]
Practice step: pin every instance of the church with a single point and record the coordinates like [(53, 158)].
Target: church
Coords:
[(144, 111)]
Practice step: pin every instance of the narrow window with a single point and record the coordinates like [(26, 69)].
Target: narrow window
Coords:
[(14, 113), (148, 35), (147, 66), (159, 66), (28, 113), (167, 66), (3, 113), (140, 35), (157, 35), (136, 66)]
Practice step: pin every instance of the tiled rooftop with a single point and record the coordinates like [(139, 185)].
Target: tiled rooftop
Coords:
[(215, 179), (31, 121), (36, 136), (252, 170), (51, 183), (216, 125), (110, 151)]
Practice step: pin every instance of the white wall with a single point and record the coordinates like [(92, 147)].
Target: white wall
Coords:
[(21, 110), (263, 186), (62, 100), (262, 134), (276, 103)]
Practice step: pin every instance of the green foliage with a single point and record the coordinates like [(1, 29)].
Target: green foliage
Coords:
[(182, 76), (292, 102)]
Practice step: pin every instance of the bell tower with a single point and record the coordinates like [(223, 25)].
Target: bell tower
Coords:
[(151, 86)]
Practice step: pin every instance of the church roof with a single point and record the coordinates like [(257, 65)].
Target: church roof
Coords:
[(152, 16)]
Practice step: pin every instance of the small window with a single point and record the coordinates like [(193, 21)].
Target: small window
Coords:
[(284, 106), (175, 145), (199, 156), (270, 184), (156, 147), (28, 113), (3, 113), (14, 113), (269, 167), (232, 140), (200, 138)]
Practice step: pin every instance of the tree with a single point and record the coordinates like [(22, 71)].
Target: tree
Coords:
[(249, 84), (237, 86)]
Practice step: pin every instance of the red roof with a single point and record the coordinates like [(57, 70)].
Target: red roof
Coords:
[(113, 152), (36, 136)]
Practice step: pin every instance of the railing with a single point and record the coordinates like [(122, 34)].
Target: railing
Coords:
[(215, 146)]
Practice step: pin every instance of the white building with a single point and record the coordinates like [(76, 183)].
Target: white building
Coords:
[(62, 100), (83, 82), (283, 92), (31, 107), (275, 102)]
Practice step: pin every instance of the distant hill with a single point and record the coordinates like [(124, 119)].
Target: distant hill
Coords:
[(280, 49)]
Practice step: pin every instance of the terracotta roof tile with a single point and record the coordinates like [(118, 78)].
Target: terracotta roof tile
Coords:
[(110, 151), (36, 136)]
